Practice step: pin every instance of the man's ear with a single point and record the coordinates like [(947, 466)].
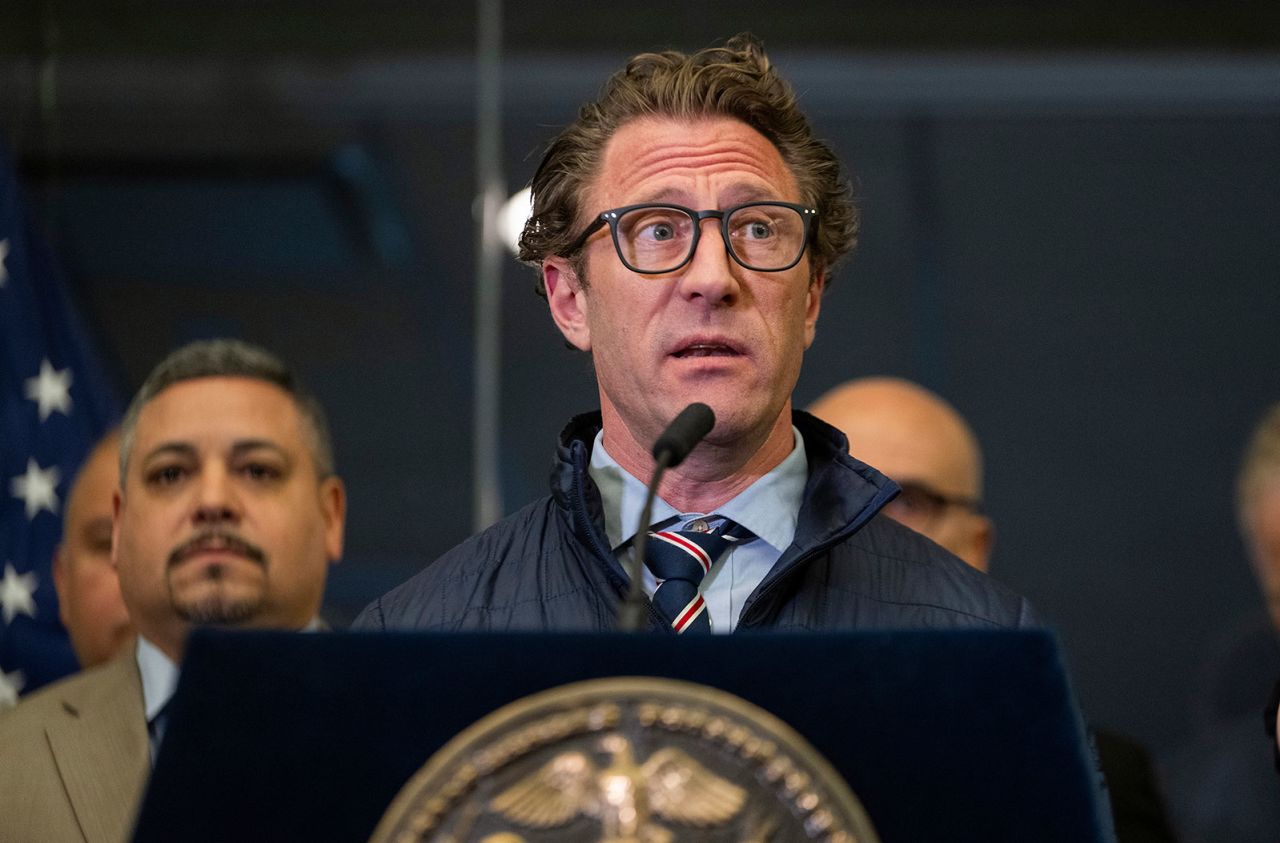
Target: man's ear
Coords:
[(813, 304), (568, 301), (333, 512), (982, 540)]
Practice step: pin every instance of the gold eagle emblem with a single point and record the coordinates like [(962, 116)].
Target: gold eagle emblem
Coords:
[(622, 795)]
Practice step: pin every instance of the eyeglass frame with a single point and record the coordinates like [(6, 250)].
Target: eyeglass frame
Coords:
[(937, 500), (809, 216)]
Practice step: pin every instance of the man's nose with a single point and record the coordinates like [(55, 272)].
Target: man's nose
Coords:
[(711, 272), (217, 500)]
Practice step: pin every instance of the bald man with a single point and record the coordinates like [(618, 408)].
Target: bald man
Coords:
[(920, 441), (89, 601)]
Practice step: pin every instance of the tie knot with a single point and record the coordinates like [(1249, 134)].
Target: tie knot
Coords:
[(690, 553), (679, 559)]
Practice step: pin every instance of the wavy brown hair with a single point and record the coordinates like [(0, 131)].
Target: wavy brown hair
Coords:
[(736, 81)]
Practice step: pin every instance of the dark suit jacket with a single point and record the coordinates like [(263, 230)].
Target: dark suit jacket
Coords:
[(74, 758)]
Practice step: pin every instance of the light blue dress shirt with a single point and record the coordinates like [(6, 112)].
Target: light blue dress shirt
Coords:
[(768, 508)]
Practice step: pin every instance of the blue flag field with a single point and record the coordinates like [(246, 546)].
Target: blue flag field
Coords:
[(56, 403)]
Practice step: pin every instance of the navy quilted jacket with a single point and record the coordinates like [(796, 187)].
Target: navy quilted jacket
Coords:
[(549, 566)]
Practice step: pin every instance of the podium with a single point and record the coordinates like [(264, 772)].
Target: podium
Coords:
[(956, 736)]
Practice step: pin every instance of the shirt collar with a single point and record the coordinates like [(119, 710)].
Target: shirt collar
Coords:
[(768, 507), (159, 677)]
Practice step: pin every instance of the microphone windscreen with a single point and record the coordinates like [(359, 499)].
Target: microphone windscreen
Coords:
[(685, 431)]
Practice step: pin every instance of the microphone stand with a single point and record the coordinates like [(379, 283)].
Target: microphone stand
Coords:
[(681, 436), (631, 614)]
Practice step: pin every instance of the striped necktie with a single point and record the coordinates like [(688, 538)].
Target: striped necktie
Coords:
[(680, 559)]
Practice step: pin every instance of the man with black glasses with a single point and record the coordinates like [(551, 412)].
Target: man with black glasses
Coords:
[(684, 228)]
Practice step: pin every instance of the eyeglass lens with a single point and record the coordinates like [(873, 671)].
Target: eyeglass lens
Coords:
[(659, 239)]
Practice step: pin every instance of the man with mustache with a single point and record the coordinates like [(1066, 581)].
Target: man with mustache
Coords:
[(684, 229), (228, 513)]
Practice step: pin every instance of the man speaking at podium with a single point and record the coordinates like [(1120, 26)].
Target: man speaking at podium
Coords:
[(685, 226)]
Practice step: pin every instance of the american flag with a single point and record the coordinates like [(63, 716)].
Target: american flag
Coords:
[(56, 403)]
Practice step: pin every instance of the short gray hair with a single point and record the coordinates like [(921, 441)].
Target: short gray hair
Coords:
[(227, 358), (1261, 462)]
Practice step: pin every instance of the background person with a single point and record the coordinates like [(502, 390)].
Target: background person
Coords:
[(1222, 782), (228, 514), (922, 442), (919, 440), (89, 601)]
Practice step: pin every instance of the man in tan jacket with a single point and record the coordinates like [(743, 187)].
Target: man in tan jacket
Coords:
[(228, 513)]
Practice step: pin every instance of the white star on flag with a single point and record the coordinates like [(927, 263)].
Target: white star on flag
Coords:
[(4, 256), (17, 594), (51, 390), (37, 488), (10, 686)]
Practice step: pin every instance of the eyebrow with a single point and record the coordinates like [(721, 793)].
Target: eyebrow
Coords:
[(238, 448), (738, 194)]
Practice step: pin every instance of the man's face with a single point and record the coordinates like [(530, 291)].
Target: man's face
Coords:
[(222, 518), (925, 481), (89, 601), (711, 331), (1263, 537), (923, 445)]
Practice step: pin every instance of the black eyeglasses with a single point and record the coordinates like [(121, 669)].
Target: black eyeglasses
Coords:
[(920, 504), (653, 239)]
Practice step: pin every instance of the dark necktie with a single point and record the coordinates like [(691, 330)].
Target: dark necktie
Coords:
[(156, 727), (680, 559)]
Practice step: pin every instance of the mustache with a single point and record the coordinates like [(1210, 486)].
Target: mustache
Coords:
[(221, 539)]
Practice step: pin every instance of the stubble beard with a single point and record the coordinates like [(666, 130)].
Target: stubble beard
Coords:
[(216, 600), (215, 605)]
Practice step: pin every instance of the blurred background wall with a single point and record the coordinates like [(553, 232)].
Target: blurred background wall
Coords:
[(1070, 232)]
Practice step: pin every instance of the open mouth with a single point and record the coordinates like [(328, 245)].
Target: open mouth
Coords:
[(705, 349)]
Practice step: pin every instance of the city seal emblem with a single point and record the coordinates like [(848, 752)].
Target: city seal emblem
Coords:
[(627, 760)]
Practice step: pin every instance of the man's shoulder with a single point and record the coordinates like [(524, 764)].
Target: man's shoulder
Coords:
[(489, 564), (65, 698), (75, 757), (898, 565)]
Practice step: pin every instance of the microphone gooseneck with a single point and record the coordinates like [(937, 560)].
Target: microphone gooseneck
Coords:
[(686, 430)]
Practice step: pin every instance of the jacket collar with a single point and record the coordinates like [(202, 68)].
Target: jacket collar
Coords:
[(841, 495), (101, 749)]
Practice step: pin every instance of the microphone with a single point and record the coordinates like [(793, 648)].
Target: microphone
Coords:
[(686, 430)]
